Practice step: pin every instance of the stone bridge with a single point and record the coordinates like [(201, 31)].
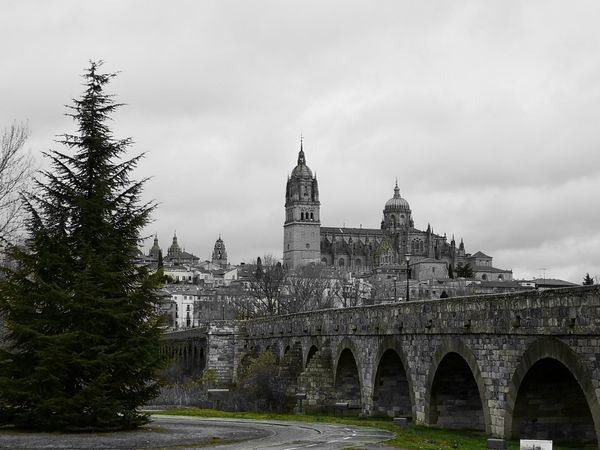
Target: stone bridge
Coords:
[(523, 365)]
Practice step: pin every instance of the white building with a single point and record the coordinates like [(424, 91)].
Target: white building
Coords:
[(184, 297)]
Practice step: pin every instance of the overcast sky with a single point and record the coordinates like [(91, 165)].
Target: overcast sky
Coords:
[(486, 112)]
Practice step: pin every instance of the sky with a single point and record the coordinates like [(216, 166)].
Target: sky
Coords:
[(486, 112)]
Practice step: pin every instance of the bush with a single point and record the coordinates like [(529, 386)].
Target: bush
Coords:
[(186, 392), (262, 383)]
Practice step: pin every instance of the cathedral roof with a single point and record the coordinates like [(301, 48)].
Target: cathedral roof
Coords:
[(489, 269), (301, 170), (351, 231), (397, 203)]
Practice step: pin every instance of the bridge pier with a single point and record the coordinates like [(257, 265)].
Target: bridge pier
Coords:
[(513, 365)]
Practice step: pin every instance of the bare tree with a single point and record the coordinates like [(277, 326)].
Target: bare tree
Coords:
[(307, 289), (266, 286), (349, 292), (15, 173), (382, 289)]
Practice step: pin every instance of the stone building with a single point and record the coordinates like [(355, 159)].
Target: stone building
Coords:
[(394, 247)]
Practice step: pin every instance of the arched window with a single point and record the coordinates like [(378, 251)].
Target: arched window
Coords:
[(484, 277), (341, 262), (324, 260), (301, 216), (417, 246), (312, 217), (358, 262), (500, 277)]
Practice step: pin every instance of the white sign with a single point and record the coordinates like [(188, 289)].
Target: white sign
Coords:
[(531, 444)]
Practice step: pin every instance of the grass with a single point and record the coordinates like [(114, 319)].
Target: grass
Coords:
[(414, 437)]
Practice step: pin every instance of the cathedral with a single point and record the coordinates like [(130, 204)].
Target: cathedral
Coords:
[(394, 248), (177, 256)]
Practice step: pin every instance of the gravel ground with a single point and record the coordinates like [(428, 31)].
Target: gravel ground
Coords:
[(160, 434), (178, 432)]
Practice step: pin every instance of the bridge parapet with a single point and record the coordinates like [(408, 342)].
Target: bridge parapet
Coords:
[(553, 312), (182, 335)]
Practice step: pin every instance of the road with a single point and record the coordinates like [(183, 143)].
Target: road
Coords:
[(279, 435), (175, 432)]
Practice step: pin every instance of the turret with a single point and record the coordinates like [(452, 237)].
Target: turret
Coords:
[(396, 212), (174, 249), (219, 255), (155, 250)]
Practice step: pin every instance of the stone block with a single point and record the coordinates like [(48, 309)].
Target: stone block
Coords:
[(496, 444), (401, 422)]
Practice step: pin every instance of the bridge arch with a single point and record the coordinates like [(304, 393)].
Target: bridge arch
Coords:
[(347, 374), (309, 350), (392, 384), (309, 355), (455, 389), (551, 370)]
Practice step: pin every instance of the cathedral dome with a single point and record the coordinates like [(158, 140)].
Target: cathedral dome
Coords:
[(397, 203)]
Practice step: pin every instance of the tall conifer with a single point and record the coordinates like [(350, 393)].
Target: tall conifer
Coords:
[(82, 330)]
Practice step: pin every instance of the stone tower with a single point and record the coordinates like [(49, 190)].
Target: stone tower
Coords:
[(174, 250), (397, 222), (302, 226), (155, 250), (219, 255)]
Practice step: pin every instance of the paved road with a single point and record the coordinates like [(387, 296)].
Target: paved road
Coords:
[(175, 432)]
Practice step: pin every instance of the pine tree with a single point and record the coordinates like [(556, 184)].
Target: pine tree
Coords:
[(465, 271), (82, 327), (160, 260), (587, 280)]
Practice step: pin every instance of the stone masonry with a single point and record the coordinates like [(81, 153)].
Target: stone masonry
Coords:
[(490, 359)]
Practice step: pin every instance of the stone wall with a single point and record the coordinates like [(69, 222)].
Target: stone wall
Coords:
[(221, 350)]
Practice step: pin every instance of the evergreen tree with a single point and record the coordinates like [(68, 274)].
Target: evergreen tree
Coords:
[(587, 280), (465, 271), (80, 316), (160, 260)]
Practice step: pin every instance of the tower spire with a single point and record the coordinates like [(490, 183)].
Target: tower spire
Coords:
[(396, 190), (301, 158)]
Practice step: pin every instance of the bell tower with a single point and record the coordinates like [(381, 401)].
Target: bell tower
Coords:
[(219, 255), (302, 226)]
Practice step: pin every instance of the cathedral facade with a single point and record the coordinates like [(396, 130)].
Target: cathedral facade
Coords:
[(396, 247)]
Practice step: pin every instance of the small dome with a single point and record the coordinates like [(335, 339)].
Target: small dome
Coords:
[(302, 171), (397, 203)]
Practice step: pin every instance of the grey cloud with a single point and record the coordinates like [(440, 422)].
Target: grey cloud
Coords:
[(484, 111)]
